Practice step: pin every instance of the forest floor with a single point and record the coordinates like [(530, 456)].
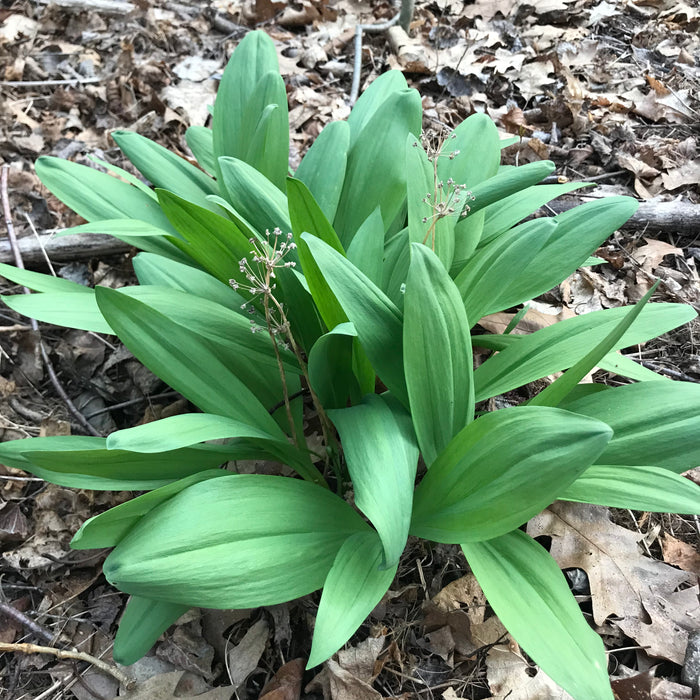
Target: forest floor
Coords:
[(610, 91)]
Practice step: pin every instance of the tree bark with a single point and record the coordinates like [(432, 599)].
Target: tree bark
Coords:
[(62, 248)]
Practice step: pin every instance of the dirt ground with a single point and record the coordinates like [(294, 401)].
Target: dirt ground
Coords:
[(610, 91)]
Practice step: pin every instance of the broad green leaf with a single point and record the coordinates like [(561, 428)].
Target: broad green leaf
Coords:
[(503, 469), (164, 169), (485, 281), (85, 462), (322, 169), (254, 56), (377, 320), (366, 250), (382, 456), (183, 430), (428, 201), (280, 545), (437, 354), (397, 258), (531, 597), (507, 212), (266, 129), (353, 588), (118, 228), (108, 528), (467, 236), (375, 175), (182, 358), (213, 241), (254, 197), (655, 423), (158, 271), (330, 367), (124, 174), (142, 622), (200, 139), (557, 347), (95, 196), (625, 366), (579, 232), (508, 181), (650, 489), (554, 393), (40, 282), (378, 92)]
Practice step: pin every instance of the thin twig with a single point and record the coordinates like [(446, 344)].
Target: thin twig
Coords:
[(82, 421), (15, 327), (34, 627), (131, 402), (48, 83), (71, 655)]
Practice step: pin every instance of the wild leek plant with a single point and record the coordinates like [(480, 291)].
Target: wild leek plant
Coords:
[(352, 288)]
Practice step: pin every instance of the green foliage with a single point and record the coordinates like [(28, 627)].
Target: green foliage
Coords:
[(402, 248)]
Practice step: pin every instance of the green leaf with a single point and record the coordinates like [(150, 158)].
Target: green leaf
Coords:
[(554, 393), (379, 91), (110, 527), (531, 597), (330, 367), (155, 270), (280, 544), (266, 129), (254, 57), (118, 228), (552, 349), (650, 489), (437, 354), (164, 169), (655, 423), (366, 250), (200, 139), (85, 462), (254, 197), (322, 169), (625, 366), (508, 181), (376, 175), (354, 587), (377, 320), (378, 432), (214, 242), (142, 622), (484, 282), (503, 469), (507, 212), (184, 359), (41, 282), (579, 232)]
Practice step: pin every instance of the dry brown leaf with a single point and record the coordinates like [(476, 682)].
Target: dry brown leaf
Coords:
[(650, 256), (243, 659), (624, 583), (465, 591), (686, 174), (680, 554), (509, 676), (286, 683), (162, 687)]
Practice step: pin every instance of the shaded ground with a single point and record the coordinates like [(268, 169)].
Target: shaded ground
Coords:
[(608, 90)]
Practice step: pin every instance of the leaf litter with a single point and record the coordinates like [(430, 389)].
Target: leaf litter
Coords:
[(607, 90)]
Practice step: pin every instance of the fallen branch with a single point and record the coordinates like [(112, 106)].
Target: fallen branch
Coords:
[(63, 248), (679, 218), (72, 655)]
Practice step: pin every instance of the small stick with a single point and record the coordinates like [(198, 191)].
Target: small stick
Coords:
[(71, 655), (82, 421), (34, 627), (15, 327), (48, 83)]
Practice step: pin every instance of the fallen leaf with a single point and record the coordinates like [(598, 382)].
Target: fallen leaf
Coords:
[(680, 554), (243, 659), (686, 174), (649, 256), (286, 683), (162, 687), (624, 583)]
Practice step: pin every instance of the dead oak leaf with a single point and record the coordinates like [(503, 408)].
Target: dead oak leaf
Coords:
[(624, 583), (162, 687)]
